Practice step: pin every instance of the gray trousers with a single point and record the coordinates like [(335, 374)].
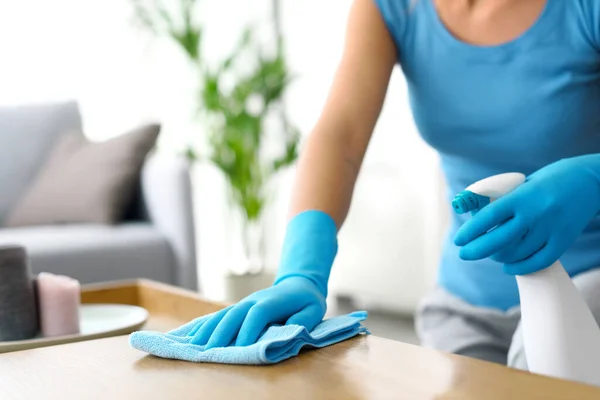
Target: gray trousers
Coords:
[(447, 323)]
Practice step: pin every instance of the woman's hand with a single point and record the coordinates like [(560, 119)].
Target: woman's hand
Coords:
[(531, 227), (295, 300)]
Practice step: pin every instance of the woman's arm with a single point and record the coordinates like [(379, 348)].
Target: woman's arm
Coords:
[(329, 165), (327, 171)]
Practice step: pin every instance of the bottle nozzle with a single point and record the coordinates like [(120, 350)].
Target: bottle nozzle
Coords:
[(467, 201)]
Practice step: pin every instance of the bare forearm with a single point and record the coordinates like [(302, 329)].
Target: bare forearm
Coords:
[(330, 162), (326, 177)]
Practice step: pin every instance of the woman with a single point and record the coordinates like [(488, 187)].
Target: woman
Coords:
[(495, 86)]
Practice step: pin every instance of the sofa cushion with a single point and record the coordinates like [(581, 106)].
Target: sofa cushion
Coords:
[(86, 182), (27, 135), (96, 253)]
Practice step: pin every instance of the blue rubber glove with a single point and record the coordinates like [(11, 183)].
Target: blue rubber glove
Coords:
[(529, 228), (297, 296)]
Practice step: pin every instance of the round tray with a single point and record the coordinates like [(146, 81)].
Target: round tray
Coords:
[(95, 321)]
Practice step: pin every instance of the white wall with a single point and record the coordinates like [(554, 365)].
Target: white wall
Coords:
[(121, 76)]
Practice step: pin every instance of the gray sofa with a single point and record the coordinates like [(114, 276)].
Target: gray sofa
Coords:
[(155, 241)]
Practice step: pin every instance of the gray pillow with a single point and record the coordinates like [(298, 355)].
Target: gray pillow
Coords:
[(27, 135), (86, 182)]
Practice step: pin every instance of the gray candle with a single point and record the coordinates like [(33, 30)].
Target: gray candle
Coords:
[(18, 308)]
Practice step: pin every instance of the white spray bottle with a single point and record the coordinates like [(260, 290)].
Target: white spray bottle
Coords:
[(561, 336)]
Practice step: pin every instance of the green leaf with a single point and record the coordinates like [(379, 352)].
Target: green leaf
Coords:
[(211, 95), (189, 40), (290, 154)]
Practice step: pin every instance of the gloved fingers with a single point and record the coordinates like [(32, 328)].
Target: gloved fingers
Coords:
[(184, 330), (495, 240), (309, 317), (531, 243), (487, 218), (541, 259), (227, 330), (202, 331), (259, 317)]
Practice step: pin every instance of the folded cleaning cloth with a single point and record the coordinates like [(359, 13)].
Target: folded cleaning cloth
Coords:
[(277, 343)]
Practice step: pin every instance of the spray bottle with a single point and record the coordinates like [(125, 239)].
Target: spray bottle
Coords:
[(560, 335)]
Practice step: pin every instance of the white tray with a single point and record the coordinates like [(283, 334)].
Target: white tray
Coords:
[(95, 320)]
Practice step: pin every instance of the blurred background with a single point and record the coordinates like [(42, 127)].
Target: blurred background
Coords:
[(213, 73)]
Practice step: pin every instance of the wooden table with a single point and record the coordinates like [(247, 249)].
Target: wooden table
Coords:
[(365, 367)]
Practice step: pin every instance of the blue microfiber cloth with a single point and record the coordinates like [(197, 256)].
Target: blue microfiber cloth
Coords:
[(278, 342)]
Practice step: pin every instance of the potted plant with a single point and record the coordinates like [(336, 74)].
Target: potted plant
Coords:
[(235, 107)]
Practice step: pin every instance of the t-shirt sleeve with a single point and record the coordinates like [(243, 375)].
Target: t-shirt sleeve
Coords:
[(394, 13)]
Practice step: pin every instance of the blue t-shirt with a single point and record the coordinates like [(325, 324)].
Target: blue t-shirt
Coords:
[(515, 107)]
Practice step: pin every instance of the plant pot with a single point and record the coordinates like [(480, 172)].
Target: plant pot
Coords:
[(237, 287)]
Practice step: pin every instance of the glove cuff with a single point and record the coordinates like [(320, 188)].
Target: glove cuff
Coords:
[(309, 248)]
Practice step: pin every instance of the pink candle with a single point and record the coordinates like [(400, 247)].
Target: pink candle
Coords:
[(58, 299)]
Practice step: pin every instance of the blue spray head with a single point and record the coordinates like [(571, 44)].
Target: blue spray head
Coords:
[(467, 201)]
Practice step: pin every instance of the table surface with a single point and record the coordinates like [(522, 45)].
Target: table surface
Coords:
[(365, 367)]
